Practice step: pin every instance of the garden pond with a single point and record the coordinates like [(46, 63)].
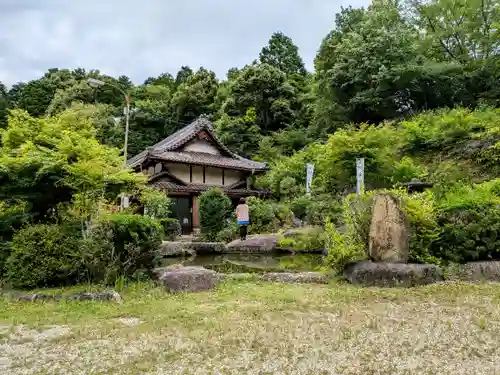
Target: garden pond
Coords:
[(251, 263)]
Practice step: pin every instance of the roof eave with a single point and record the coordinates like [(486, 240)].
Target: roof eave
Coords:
[(214, 165)]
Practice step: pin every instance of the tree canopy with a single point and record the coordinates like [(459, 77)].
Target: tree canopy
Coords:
[(389, 61)]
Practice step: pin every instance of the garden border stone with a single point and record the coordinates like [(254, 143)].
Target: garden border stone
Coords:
[(392, 274), (299, 277)]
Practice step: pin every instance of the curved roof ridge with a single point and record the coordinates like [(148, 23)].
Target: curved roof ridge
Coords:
[(185, 135)]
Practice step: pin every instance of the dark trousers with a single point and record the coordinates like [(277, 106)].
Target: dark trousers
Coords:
[(243, 232)]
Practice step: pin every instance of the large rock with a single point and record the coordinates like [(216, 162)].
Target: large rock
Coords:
[(474, 271), (267, 243), (392, 274), (300, 277), (190, 279), (108, 295), (262, 243), (389, 231), (181, 248)]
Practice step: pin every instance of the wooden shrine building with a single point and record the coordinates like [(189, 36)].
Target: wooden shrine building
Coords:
[(191, 161)]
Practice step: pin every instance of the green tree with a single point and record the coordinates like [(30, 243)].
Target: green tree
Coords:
[(46, 161), (215, 209), (460, 30), (266, 89), (283, 54), (164, 79), (195, 96), (240, 134), (371, 69), (36, 95), (182, 76), (4, 105), (151, 118)]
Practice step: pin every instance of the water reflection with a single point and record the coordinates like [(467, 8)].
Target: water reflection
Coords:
[(251, 263)]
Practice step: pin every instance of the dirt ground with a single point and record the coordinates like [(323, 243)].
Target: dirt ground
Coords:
[(259, 328)]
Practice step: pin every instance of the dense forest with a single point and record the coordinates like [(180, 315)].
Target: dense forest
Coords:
[(412, 86), (387, 62)]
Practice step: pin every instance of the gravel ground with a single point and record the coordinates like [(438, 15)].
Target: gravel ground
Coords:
[(260, 328)]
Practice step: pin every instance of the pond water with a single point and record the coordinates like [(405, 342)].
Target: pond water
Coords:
[(251, 263)]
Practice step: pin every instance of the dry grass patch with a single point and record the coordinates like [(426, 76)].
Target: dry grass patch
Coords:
[(260, 328)]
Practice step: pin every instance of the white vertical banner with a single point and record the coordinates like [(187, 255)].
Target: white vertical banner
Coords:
[(309, 177), (360, 176)]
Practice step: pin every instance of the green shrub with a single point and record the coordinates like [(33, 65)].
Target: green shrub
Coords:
[(156, 203), (350, 240), (171, 227), (121, 245), (469, 217), (421, 211), (12, 217), (342, 248), (300, 207), (44, 256), (305, 240), (267, 216), (406, 170), (229, 233), (316, 209), (215, 209)]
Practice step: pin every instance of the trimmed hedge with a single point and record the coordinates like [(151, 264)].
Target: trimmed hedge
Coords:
[(121, 245), (215, 210), (114, 246), (44, 256)]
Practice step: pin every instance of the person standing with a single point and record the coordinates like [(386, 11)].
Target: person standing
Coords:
[(243, 218)]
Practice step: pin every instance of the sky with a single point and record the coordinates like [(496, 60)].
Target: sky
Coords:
[(142, 38)]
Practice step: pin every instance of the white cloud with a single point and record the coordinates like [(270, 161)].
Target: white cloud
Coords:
[(141, 38)]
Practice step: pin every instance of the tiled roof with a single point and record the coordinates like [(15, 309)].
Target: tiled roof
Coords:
[(166, 148), (211, 160), (199, 188)]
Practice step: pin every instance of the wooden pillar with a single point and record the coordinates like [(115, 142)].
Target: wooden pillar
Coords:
[(196, 217)]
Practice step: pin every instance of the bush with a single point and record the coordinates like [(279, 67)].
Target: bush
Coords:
[(351, 243), (12, 217), (44, 256), (421, 211), (172, 228), (156, 203), (215, 208), (121, 245), (469, 218), (300, 207), (342, 248), (305, 240), (229, 233), (267, 216)]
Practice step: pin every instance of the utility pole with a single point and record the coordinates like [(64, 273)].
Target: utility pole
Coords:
[(124, 202)]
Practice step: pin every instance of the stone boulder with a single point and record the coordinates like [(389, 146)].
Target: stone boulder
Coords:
[(300, 277), (182, 248), (262, 243), (108, 295), (392, 274), (474, 271), (190, 279), (389, 231)]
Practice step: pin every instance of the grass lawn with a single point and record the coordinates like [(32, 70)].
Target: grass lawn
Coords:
[(249, 327)]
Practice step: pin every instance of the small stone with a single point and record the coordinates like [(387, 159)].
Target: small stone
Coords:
[(190, 279), (474, 271), (130, 321), (36, 297), (392, 274), (109, 295), (263, 243), (300, 277)]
